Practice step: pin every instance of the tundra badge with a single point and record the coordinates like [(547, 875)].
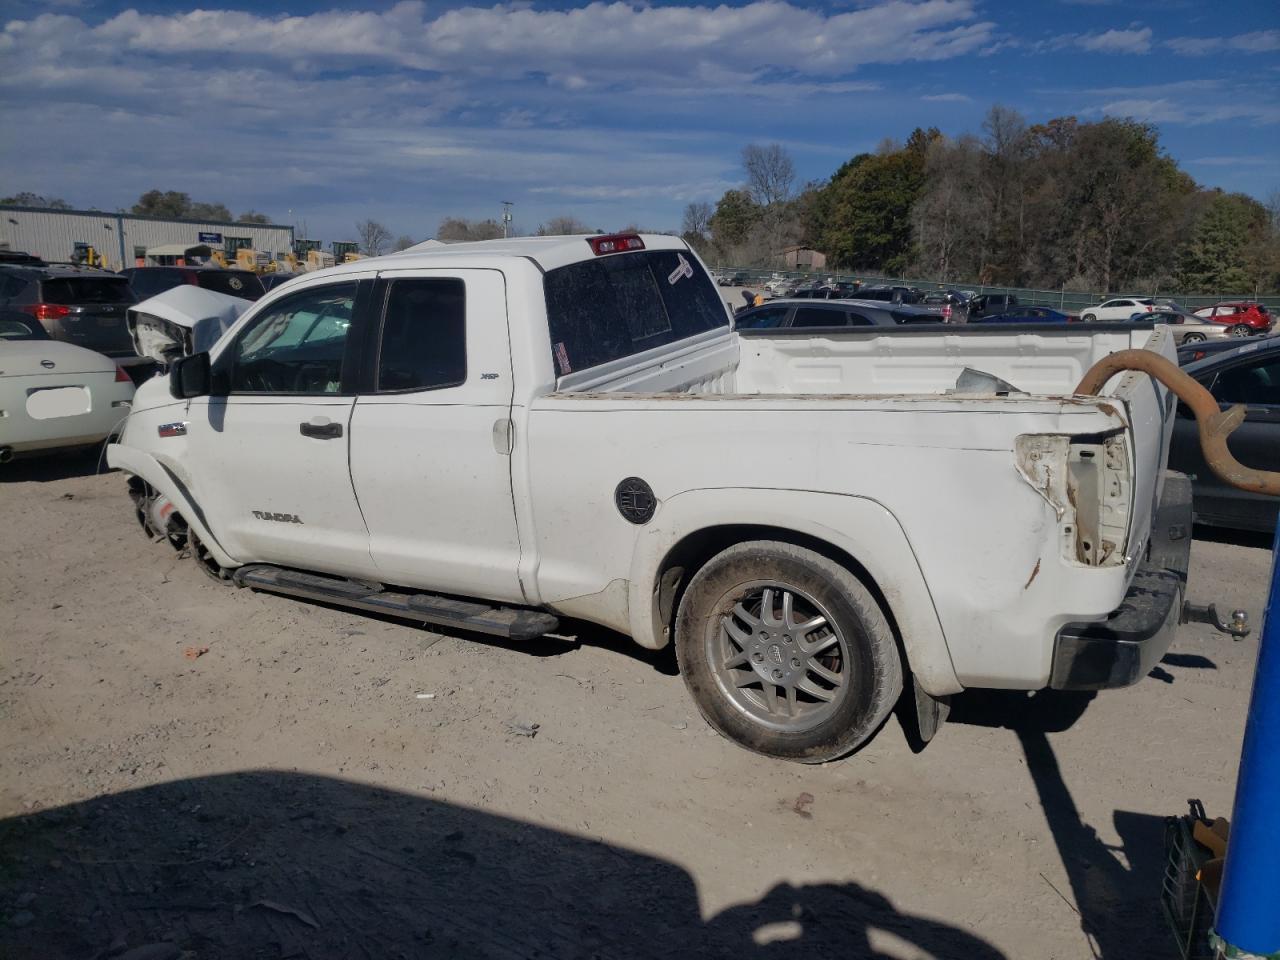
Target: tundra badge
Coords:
[(278, 517)]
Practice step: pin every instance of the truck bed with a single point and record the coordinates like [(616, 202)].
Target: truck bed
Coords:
[(874, 363)]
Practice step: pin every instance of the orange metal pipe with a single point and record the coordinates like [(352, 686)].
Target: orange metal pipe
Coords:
[(1215, 424)]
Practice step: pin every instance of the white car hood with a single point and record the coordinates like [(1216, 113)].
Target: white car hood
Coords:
[(182, 321)]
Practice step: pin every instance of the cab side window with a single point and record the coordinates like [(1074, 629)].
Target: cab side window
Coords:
[(297, 345), (423, 343), (1253, 384)]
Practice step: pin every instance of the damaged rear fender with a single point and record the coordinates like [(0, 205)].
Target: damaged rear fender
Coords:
[(146, 467)]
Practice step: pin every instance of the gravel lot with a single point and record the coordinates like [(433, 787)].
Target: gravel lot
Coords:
[(319, 784)]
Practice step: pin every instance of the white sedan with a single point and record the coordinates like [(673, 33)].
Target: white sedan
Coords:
[(55, 395), (1119, 309)]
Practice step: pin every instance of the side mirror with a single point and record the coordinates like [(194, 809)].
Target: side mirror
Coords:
[(189, 377)]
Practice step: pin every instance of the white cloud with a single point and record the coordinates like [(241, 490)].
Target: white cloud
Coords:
[(1164, 110), (1250, 160), (948, 98), (1133, 40), (597, 43), (1259, 41)]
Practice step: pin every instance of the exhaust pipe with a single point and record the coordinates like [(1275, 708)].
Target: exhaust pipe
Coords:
[(6, 454)]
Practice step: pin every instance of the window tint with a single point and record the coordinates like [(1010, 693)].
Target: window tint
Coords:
[(1255, 383), (818, 317), (148, 283), (424, 335), (234, 283), (616, 306), (88, 290), (20, 327), (762, 319), (10, 285), (297, 345)]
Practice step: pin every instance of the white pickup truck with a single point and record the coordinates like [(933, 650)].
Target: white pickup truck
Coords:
[(497, 435)]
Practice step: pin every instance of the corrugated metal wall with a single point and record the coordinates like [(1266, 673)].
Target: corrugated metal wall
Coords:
[(53, 234)]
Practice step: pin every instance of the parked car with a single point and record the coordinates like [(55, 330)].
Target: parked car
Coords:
[(801, 591), (53, 395), (889, 294), (148, 281), (1118, 309), (1242, 317), (987, 304), (1027, 314), (80, 305), (21, 258), (1188, 328), (1249, 374), (779, 314), (1192, 350), (270, 281)]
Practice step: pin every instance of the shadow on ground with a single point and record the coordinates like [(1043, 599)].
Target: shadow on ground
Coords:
[(81, 462), (275, 865), (1236, 538), (1115, 889)]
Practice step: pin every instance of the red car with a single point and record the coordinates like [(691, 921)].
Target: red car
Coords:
[(1247, 313)]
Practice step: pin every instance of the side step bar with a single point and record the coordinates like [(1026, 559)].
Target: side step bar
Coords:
[(511, 622)]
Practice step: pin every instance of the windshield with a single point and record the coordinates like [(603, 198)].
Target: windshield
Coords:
[(70, 290)]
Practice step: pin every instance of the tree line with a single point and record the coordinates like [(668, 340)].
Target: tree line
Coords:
[(1066, 203)]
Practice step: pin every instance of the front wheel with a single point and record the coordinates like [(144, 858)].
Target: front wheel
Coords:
[(1090, 318), (787, 653), (1239, 330)]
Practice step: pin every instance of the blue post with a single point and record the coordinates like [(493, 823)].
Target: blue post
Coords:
[(1248, 916)]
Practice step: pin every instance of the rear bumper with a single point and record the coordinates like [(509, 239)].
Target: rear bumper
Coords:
[(1122, 649)]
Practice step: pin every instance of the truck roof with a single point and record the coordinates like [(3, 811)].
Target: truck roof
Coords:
[(547, 252)]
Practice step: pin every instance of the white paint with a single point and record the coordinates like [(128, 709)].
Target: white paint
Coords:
[(853, 438)]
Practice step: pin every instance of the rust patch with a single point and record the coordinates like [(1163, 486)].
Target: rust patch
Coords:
[(1035, 572)]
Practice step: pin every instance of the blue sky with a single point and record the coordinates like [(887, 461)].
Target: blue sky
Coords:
[(611, 112)]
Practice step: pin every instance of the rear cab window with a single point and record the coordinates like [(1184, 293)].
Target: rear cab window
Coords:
[(72, 290), (623, 304)]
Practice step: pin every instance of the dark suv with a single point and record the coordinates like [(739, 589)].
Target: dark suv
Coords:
[(989, 304), (80, 305), (148, 281)]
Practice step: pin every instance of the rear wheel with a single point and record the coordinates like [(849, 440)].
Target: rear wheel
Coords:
[(1193, 338), (1239, 330), (786, 653)]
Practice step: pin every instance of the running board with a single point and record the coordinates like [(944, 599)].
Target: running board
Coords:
[(511, 622)]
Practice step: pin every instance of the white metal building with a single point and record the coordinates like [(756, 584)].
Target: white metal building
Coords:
[(123, 238)]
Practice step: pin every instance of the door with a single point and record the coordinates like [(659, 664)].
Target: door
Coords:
[(430, 434), (1255, 383), (270, 458)]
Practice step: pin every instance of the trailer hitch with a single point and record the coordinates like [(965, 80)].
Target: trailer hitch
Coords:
[(1237, 626), (1214, 423)]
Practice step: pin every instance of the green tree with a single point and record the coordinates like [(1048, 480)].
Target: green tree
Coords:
[(29, 199), (1217, 258), (253, 216), (736, 214), (868, 210)]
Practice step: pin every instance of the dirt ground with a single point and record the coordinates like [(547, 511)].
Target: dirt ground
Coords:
[(319, 784)]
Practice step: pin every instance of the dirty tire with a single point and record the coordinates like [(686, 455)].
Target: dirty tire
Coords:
[(869, 659)]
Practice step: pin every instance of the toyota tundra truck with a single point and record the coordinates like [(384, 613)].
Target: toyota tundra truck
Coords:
[(499, 436)]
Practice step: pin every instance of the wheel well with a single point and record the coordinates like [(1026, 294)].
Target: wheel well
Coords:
[(689, 555)]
